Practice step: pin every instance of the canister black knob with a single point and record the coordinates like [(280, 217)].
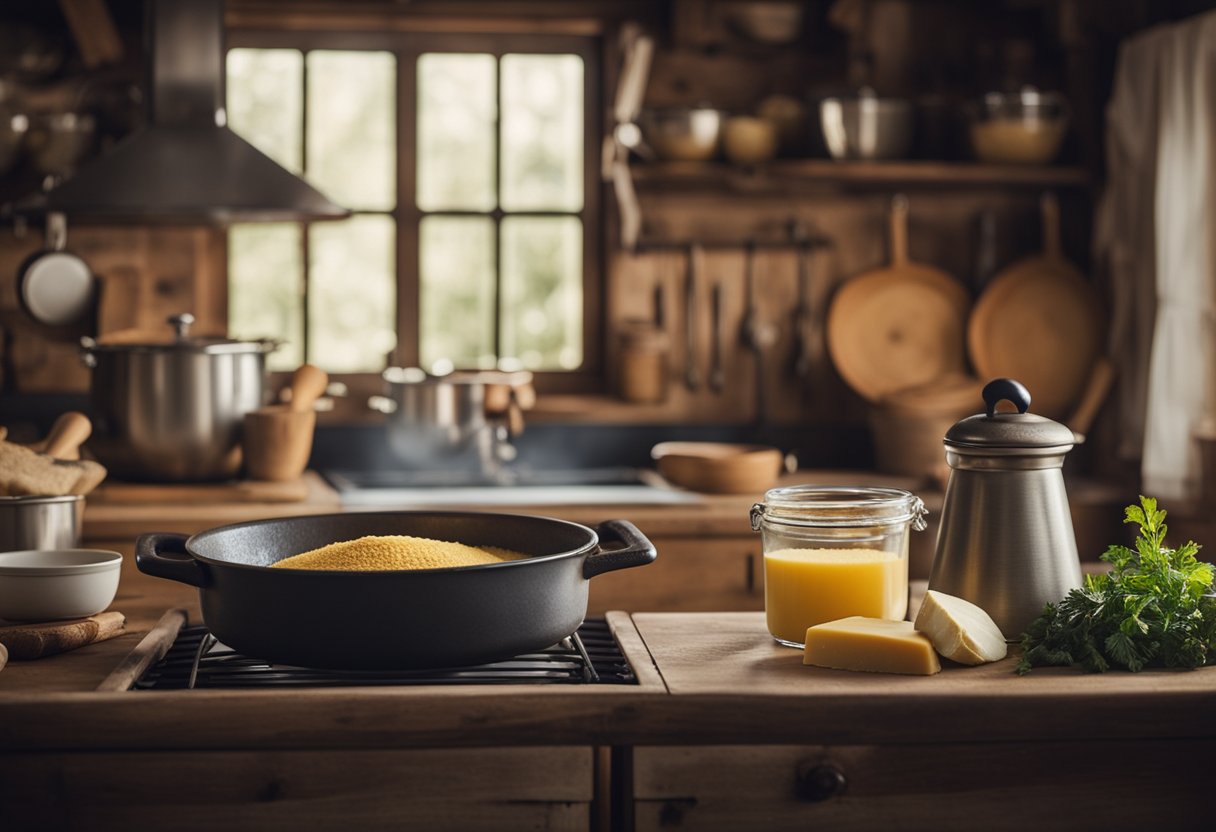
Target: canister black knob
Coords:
[(1006, 389)]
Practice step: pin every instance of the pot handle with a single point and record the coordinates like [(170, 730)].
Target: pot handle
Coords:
[(150, 551), (637, 551)]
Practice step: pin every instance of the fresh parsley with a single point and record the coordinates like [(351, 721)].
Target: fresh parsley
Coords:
[(1150, 610)]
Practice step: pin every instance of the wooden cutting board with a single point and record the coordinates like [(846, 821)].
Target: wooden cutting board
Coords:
[(1040, 321), (899, 326)]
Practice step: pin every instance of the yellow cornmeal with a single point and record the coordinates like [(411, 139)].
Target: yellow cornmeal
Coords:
[(387, 552)]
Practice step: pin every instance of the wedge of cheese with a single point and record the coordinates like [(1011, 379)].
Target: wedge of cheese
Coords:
[(960, 630), (875, 644)]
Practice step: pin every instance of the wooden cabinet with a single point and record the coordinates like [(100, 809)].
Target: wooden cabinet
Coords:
[(400, 789), (1160, 784), (690, 575)]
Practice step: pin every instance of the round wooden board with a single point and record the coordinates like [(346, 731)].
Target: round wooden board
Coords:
[(1042, 323), (898, 327)]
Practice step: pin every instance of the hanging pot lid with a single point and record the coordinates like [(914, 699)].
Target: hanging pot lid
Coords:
[(179, 341), (1009, 433)]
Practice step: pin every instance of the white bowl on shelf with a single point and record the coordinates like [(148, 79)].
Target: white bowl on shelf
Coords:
[(53, 584)]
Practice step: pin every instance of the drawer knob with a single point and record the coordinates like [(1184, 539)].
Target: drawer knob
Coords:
[(822, 782)]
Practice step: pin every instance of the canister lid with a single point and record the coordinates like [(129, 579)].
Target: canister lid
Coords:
[(178, 340), (1009, 432)]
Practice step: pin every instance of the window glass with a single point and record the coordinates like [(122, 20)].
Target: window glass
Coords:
[(266, 101), (457, 113), (352, 137), (265, 288), (542, 132), (457, 288), (352, 300), (542, 286)]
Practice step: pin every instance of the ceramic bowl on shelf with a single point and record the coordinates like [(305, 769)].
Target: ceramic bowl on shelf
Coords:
[(53, 584), (1025, 127), (719, 467)]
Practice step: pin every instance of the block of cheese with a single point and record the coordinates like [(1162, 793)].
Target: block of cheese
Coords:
[(960, 630), (876, 644)]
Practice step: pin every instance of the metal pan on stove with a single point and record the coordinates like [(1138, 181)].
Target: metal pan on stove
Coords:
[(393, 619)]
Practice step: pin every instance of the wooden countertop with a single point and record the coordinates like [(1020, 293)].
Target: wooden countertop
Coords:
[(706, 678)]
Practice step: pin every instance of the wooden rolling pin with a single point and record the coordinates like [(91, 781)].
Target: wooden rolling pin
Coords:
[(33, 641)]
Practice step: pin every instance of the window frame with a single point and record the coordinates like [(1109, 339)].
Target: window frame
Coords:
[(407, 47)]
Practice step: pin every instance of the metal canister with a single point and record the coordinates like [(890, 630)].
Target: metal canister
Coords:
[(1006, 541), (40, 522)]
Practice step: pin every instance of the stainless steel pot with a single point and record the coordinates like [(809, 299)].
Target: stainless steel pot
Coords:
[(40, 522), (440, 421), (173, 411), (866, 126)]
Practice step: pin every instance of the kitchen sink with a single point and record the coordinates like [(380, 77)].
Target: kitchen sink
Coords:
[(514, 486)]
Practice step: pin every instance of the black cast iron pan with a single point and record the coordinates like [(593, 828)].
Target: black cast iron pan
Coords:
[(398, 619)]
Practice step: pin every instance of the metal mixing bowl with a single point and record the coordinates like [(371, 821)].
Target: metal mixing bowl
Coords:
[(866, 127), (686, 134)]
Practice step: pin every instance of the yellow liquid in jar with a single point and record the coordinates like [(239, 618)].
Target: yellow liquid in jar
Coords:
[(804, 587)]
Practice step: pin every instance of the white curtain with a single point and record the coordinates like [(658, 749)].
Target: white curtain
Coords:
[(1156, 234)]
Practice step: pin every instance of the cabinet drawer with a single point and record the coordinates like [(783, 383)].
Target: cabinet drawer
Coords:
[(1157, 784), (426, 789)]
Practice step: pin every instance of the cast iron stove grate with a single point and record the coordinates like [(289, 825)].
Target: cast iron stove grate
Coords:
[(196, 660)]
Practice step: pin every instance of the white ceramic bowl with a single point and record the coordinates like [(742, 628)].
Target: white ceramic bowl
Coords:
[(45, 585)]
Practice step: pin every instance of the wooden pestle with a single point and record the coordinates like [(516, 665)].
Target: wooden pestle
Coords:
[(33, 641), (278, 439)]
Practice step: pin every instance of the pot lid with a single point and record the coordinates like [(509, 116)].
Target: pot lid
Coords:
[(179, 341), (1005, 432)]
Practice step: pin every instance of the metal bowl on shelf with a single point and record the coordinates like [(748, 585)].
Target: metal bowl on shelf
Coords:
[(685, 134), (866, 126)]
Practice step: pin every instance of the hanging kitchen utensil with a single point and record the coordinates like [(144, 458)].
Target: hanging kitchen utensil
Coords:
[(757, 335), (717, 374), (692, 378), (804, 320), (1040, 321), (898, 326), (638, 50), (54, 286)]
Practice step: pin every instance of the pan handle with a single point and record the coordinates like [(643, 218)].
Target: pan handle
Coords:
[(637, 550), (150, 551)]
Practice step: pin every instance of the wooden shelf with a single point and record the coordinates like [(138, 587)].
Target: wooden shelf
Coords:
[(793, 174)]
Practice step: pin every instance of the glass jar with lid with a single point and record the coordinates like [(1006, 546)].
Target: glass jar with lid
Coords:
[(832, 552)]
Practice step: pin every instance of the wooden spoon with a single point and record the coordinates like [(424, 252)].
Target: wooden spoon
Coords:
[(66, 436)]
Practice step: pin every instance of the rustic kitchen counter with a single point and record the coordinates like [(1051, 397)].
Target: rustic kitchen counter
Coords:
[(725, 730)]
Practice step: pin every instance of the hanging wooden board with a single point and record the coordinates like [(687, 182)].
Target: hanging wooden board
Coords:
[(1040, 321), (900, 326)]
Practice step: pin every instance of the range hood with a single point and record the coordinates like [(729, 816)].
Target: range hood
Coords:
[(185, 166)]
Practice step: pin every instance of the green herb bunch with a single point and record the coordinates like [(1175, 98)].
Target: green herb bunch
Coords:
[(1148, 611)]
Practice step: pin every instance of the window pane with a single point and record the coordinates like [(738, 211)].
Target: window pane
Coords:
[(352, 299), (456, 264), (352, 136), (457, 109), (265, 101), (542, 284), (265, 283), (542, 132)]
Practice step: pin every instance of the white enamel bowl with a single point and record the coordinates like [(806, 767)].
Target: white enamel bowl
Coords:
[(46, 585)]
